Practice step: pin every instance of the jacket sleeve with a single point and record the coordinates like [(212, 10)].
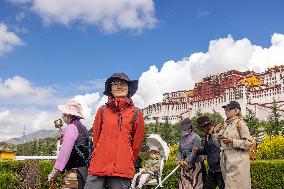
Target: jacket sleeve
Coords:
[(246, 141), (138, 135), (97, 126), (69, 137), (216, 138), (192, 156), (203, 150)]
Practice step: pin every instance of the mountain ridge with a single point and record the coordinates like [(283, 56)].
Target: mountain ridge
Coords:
[(40, 134)]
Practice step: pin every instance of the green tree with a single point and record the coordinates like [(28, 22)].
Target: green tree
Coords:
[(282, 126), (169, 132), (45, 146), (274, 126), (253, 123), (152, 128), (271, 148), (216, 117)]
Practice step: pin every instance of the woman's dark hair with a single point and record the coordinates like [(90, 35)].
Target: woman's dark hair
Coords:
[(74, 118)]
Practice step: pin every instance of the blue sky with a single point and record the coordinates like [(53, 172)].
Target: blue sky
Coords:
[(183, 27), (60, 54)]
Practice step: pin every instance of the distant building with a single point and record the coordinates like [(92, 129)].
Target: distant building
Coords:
[(7, 154), (253, 90), (7, 151)]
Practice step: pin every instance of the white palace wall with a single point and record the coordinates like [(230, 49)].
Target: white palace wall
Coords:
[(178, 105)]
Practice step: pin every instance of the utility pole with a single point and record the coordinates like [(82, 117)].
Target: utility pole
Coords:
[(24, 134)]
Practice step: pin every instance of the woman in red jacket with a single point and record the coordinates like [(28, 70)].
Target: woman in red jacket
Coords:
[(118, 133)]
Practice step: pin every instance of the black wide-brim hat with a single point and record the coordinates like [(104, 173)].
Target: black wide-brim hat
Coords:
[(232, 105), (185, 124), (132, 84), (203, 121)]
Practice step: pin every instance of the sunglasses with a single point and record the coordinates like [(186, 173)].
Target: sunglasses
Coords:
[(228, 109), (119, 83)]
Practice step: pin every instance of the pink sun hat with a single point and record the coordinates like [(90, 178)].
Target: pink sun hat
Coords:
[(72, 107)]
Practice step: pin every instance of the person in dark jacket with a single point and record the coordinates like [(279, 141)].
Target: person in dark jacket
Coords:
[(117, 136), (214, 177), (192, 166)]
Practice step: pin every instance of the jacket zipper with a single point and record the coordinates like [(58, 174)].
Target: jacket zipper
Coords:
[(120, 125), (119, 120)]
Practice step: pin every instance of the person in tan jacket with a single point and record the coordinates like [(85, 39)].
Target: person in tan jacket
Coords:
[(234, 140)]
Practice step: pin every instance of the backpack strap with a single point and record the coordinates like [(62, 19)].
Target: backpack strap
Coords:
[(80, 153), (84, 132), (137, 110), (102, 117)]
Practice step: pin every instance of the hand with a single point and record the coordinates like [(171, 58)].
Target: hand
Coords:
[(218, 127), (52, 174), (141, 170), (195, 149), (184, 163), (181, 162), (227, 140), (178, 162)]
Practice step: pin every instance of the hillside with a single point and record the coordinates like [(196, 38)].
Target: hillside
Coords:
[(41, 134)]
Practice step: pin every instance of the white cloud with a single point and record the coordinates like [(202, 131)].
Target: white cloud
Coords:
[(110, 15), (8, 40), (96, 84), (26, 100), (20, 16), (223, 54), (90, 104), (12, 121), (21, 30), (277, 39), (18, 90)]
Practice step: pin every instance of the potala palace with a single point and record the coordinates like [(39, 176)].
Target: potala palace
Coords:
[(255, 91)]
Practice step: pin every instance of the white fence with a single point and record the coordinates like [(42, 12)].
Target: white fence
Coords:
[(34, 157)]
